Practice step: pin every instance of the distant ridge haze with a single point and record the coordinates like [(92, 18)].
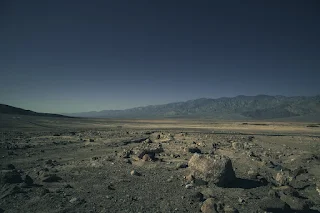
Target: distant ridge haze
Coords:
[(225, 108)]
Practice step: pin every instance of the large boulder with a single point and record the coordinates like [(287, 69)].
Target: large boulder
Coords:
[(216, 169)]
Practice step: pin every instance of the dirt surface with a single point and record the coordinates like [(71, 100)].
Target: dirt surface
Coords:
[(101, 165)]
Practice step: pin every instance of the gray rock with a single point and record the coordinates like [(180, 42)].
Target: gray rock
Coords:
[(283, 178), (295, 203), (126, 153), (197, 197), (237, 145), (49, 178), (269, 204), (182, 165), (28, 180), (135, 173), (11, 166), (250, 138), (230, 209), (189, 186), (208, 193), (128, 161), (210, 205), (194, 150), (216, 169), (73, 200), (44, 191), (148, 140)]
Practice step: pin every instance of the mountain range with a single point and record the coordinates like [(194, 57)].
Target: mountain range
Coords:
[(6, 109), (235, 108)]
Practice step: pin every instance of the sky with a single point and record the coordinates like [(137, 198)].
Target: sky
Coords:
[(79, 55)]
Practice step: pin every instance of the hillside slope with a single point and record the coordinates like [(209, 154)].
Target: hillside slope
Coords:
[(6, 109)]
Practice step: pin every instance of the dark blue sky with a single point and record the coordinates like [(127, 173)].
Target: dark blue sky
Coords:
[(75, 55)]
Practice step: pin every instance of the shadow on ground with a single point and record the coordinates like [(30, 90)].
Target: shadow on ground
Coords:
[(246, 184)]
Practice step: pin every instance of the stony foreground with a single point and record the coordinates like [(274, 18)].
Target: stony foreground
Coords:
[(131, 170)]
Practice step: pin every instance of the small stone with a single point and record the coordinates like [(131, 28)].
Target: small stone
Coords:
[(230, 209), (49, 162), (208, 193), (49, 178), (45, 191), (127, 161), (197, 197), (148, 141), (28, 180), (241, 200), (170, 179), (194, 150), (91, 140), (189, 186), (190, 177), (250, 138), (273, 194), (73, 200), (146, 157), (135, 173), (111, 187), (125, 154), (318, 188), (11, 166), (68, 186), (237, 145), (182, 165)]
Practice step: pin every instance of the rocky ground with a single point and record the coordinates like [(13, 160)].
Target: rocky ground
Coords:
[(119, 169)]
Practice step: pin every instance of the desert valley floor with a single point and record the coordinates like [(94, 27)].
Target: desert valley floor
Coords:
[(102, 165)]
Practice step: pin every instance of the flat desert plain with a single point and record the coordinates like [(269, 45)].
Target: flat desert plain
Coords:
[(169, 165)]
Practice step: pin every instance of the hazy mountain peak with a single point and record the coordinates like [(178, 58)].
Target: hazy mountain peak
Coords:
[(239, 107)]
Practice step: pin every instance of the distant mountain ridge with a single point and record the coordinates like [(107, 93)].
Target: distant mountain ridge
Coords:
[(239, 107), (6, 109)]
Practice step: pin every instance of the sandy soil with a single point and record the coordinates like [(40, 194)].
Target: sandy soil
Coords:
[(86, 165)]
